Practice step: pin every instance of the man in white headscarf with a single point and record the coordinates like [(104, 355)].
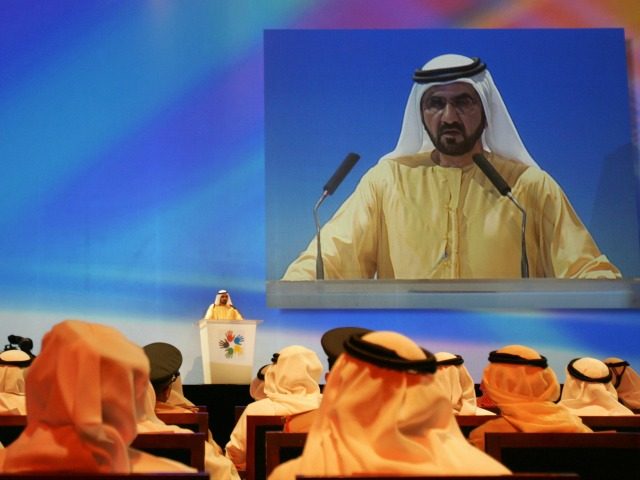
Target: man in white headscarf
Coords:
[(456, 381), (588, 390), (626, 382), (291, 386), (427, 211), (332, 342), (86, 391), (524, 387), (222, 308), (256, 387), (382, 413), (13, 367), (216, 464)]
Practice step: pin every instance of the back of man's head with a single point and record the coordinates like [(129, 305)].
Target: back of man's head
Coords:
[(332, 341), (165, 361)]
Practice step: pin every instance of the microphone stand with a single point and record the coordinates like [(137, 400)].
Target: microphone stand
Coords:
[(319, 262), (524, 262), (504, 189)]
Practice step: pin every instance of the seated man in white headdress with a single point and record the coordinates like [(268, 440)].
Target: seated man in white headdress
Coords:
[(588, 390), (626, 382), (86, 391), (256, 387), (426, 210), (14, 364), (525, 388), (382, 413), (222, 308), (290, 385), (457, 382), (216, 464), (332, 342)]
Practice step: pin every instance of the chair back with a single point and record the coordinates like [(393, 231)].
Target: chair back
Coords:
[(469, 422), (11, 426), (590, 455), (187, 448), (283, 446), (197, 422), (257, 426), (622, 423)]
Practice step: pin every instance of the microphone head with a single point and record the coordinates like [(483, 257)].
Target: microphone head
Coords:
[(342, 171)]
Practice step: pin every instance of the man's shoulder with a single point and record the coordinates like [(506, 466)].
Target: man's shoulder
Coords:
[(514, 171)]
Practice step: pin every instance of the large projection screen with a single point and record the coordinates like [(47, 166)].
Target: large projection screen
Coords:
[(330, 92)]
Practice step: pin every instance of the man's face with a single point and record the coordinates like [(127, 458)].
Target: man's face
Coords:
[(224, 298), (453, 117)]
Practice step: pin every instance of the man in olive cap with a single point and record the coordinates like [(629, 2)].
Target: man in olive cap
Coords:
[(165, 361)]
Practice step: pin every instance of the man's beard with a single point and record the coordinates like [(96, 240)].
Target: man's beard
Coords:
[(456, 148)]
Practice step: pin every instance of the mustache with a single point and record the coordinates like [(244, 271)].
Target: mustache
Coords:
[(448, 127)]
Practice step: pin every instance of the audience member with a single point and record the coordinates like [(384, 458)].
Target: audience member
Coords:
[(13, 365), (165, 361), (217, 465), (222, 308), (86, 389), (525, 388), (588, 390), (291, 386), (457, 382), (256, 387), (382, 413), (626, 381), (332, 342)]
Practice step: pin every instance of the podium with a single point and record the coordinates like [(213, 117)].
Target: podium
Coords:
[(227, 350)]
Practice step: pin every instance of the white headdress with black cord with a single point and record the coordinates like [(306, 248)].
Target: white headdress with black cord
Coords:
[(500, 136)]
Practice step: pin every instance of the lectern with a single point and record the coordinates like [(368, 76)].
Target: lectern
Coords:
[(227, 350)]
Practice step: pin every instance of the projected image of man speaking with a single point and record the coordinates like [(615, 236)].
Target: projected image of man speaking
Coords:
[(459, 197)]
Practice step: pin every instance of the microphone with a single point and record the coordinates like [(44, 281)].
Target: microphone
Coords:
[(505, 190), (342, 171), (328, 189)]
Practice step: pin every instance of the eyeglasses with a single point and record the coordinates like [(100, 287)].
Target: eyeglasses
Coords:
[(464, 104)]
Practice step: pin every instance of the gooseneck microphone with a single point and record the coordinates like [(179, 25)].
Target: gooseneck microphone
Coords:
[(505, 190), (328, 189)]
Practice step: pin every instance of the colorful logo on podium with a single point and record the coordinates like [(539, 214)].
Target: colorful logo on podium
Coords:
[(231, 344)]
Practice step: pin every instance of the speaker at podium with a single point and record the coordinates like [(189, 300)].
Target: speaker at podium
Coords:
[(228, 348)]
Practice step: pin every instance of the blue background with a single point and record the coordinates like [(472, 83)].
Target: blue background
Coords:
[(133, 185)]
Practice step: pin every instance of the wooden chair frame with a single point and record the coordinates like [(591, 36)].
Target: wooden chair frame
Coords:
[(257, 426), (192, 442)]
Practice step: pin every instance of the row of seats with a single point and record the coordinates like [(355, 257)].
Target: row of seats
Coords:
[(262, 456), (187, 448), (586, 455), (267, 445)]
